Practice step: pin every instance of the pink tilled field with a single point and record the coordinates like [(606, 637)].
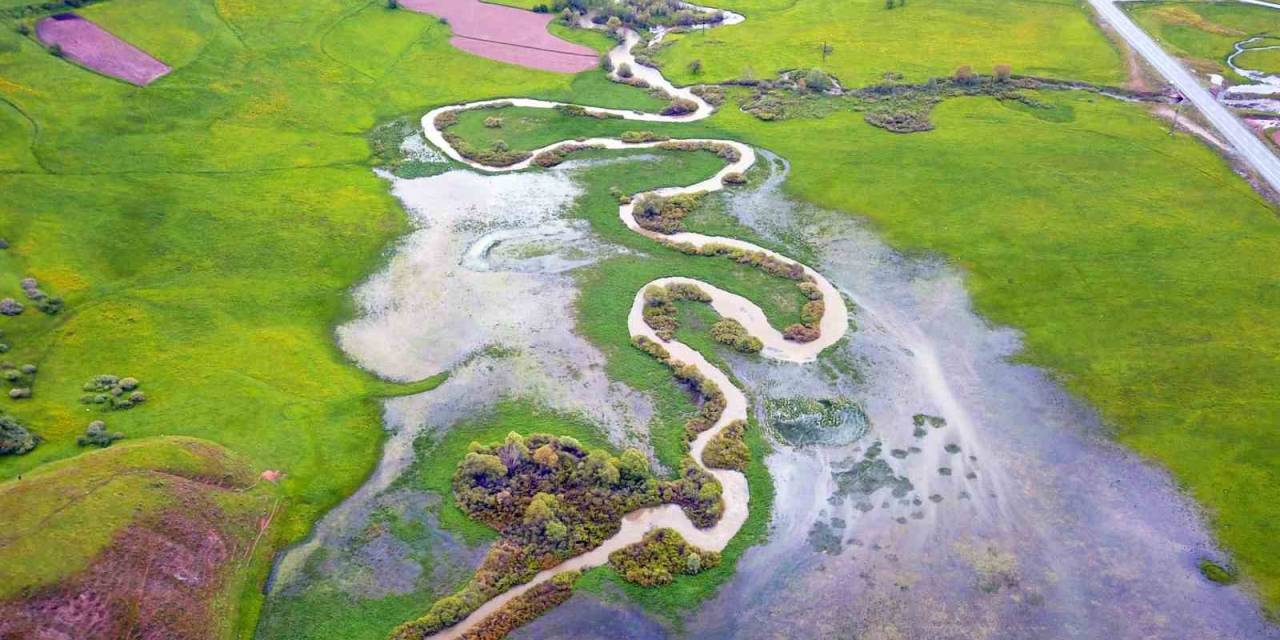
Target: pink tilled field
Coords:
[(507, 34), (96, 48)]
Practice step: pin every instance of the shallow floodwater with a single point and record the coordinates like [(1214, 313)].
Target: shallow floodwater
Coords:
[(1001, 511), (478, 288)]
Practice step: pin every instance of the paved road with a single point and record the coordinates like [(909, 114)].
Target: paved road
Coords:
[(1253, 150)]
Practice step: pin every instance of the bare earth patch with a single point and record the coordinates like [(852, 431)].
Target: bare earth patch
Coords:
[(154, 582), (507, 34), (96, 48)]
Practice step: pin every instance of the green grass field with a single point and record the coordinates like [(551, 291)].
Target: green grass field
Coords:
[(1265, 60), (925, 38), (205, 231), (1205, 33)]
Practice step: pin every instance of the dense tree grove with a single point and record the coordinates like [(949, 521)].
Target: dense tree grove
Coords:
[(662, 555), (553, 499)]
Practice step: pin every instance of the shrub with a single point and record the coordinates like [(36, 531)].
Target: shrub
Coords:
[(713, 94), (20, 393), (493, 122), (728, 450), (664, 214), (606, 64), (816, 80), (15, 439), (680, 107), (23, 29), (393, 4), (50, 306), (637, 137), (801, 333), (524, 608), (695, 67), (660, 556), (730, 332), (10, 307), (56, 50), (811, 313), (97, 435), (1003, 72), (964, 74), (624, 71), (734, 178), (113, 392), (698, 493)]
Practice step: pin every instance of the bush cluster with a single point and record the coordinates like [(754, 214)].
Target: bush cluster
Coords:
[(493, 122), (733, 178), (113, 392), (44, 8), (680, 107), (728, 450), (664, 214), (497, 155), (47, 304), (15, 438), (697, 492), (641, 14), (97, 435), (10, 307), (637, 137), (557, 155), (713, 400), (811, 313), (583, 112), (659, 557), (765, 261), (728, 152), (728, 331), (712, 93), (20, 379), (660, 311)]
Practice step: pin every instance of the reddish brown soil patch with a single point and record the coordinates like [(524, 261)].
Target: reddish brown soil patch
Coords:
[(96, 48), (154, 582), (507, 34)]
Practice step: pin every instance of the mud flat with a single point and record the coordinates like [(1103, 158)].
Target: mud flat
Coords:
[(96, 48)]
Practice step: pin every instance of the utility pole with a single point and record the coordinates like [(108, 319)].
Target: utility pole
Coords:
[(1177, 111)]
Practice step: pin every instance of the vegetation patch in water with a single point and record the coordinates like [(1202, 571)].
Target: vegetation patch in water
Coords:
[(657, 559), (868, 476), (1218, 573), (808, 421)]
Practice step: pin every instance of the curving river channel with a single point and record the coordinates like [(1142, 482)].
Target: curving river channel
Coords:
[(834, 322)]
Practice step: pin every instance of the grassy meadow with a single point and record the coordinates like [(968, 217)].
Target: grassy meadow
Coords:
[(205, 232), (923, 39), (1205, 33)]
